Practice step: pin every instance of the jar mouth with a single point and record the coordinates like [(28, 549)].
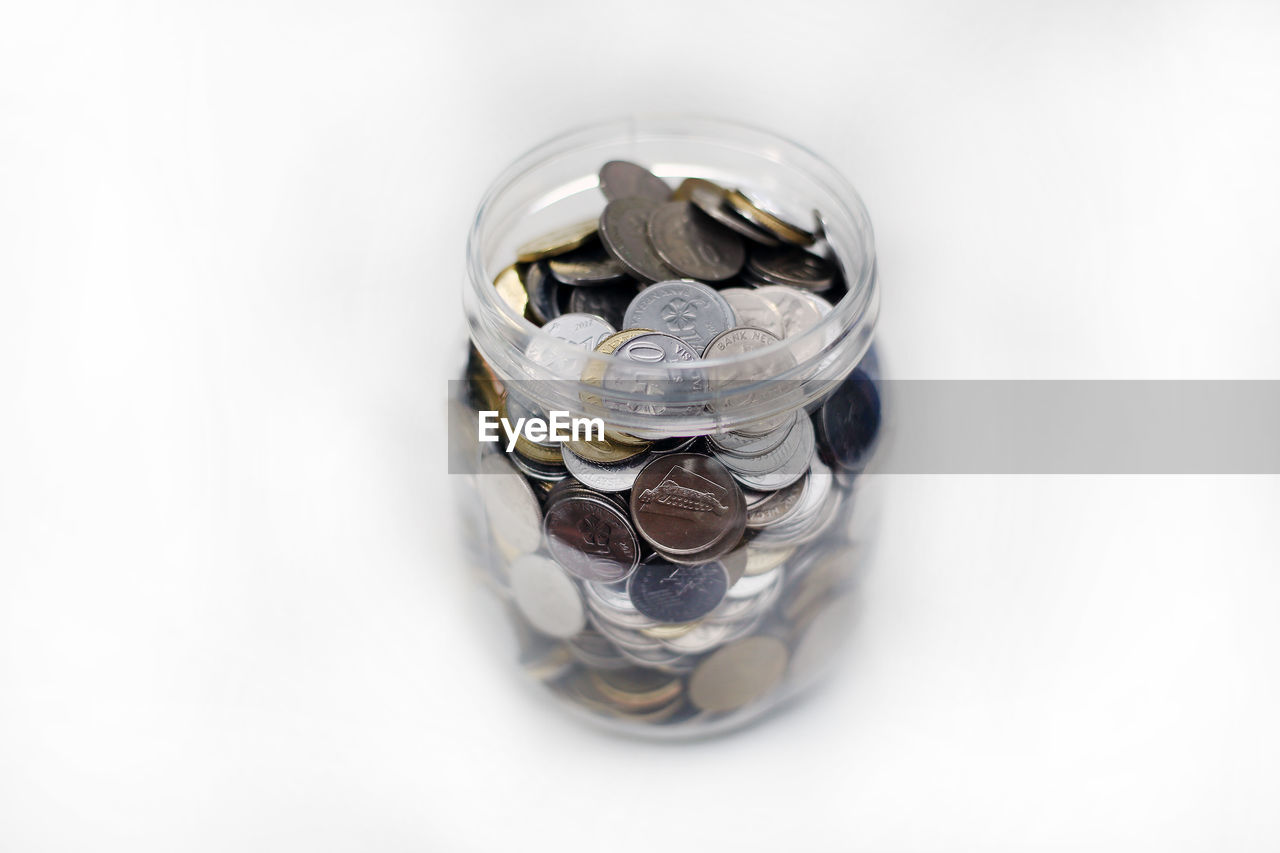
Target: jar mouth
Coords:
[(834, 345)]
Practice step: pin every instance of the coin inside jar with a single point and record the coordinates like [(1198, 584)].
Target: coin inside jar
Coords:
[(546, 596), (624, 228), (558, 242), (690, 311), (591, 538), (738, 673), (623, 179), (751, 309), (669, 592), (687, 503), (771, 222), (693, 244)]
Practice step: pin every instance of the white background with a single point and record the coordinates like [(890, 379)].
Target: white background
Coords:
[(232, 614)]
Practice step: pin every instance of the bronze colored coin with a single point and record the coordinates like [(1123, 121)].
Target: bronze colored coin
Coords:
[(621, 179), (687, 503), (693, 244), (737, 674), (624, 228), (558, 242), (775, 225), (635, 688), (591, 538), (684, 192), (606, 451), (713, 201), (511, 289)]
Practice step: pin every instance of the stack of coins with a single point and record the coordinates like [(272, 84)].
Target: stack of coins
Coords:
[(680, 580)]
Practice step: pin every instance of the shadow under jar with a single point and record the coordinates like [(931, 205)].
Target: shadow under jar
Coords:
[(707, 292)]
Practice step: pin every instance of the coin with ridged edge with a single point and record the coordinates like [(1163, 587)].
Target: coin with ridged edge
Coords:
[(690, 311), (687, 503), (591, 538)]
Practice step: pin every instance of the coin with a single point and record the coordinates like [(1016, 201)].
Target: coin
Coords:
[(684, 192), (777, 506), (686, 503), (690, 311), (618, 477), (589, 266), (793, 266), (590, 538), (636, 688), (546, 596), (640, 368), (825, 632), (762, 560), (667, 592), (511, 289), (693, 244), (799, 442), (620, 179), (799, 315), (584, 331), (775, 225), (849, 421), (558, 242), (624, 228), (713, 202), (609, 301), (510, 504), (744, 444), (543, 290), (752, 309), (606, 451), (738, 673)]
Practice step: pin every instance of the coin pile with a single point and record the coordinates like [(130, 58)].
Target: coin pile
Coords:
[(666, 581)]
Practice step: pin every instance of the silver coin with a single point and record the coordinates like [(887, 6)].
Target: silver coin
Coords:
[(624, 228), (605, 478), (546, 596), (792, 266), (746, 444), (543, 291), (640, 367), (584, 331), (591, 537), (669, 593), (609, 301), (611, 603), (778, 506), (622, 179), (690, 311), (799, 442), (738, 674), (510, 504), (799, 315), (751, 309), (589, 266), (693, 244)]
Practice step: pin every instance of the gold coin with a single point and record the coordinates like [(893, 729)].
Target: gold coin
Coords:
[(684, 192), (558, 242), (669, 632), (635, 689), (779, 228), (605, 451), (737, 674), (538, 453), (511, 289)]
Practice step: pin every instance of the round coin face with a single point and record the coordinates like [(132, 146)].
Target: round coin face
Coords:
[(738, 673), (546, 596), (641, 366), (668, 592), (621, 179), (799, 315), (849, 421), (692, 312), (752, 309), (624, 228), (591, 538), (693, 244), (687, 503), (584, 331)]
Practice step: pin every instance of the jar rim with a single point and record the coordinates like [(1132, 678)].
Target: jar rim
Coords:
[(494, 322)]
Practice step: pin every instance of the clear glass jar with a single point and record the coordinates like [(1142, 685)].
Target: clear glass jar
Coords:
[(780, 588)]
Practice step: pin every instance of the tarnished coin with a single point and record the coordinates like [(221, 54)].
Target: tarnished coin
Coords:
[(693, 244), (792, 266), (546, 596), (558, 242), (849, 421), (752, 309), (584, 331), (713, 202), (609, 301), (687, 503), (591, 538), (771, 222), (667, 592), (543, 290), (511, 289), (510, 504), (620, 179), (589, 266), (624, 228), (690, 311), (738, 673), (618, 477)]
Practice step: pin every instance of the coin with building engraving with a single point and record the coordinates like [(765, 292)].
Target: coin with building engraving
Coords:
[(624, 228), (667, 592), (590, 537), (685, 503), (624, 179), (693, 244)]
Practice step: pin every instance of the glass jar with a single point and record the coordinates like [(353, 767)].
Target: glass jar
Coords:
[(660, 591)]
